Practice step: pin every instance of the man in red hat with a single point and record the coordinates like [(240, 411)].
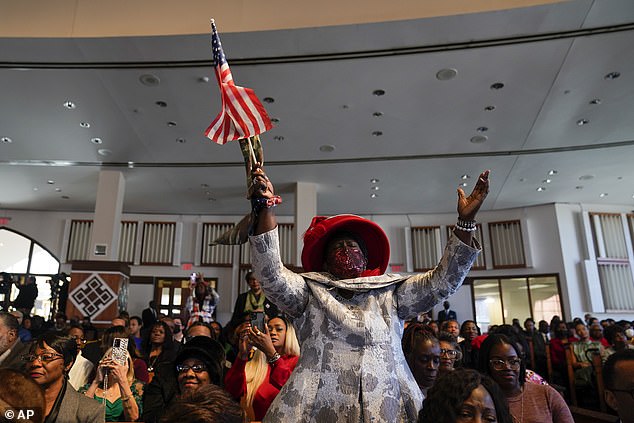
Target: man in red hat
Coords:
[(349, 314)]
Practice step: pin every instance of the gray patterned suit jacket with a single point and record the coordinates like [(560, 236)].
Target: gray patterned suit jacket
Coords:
[(352, 367)]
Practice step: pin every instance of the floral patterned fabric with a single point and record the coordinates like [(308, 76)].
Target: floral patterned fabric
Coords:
[(352, 367)]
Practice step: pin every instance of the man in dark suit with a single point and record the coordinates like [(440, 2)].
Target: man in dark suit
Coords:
[(149, 315), (446, 314), (11, 348)]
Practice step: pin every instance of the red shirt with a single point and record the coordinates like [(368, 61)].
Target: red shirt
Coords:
[(557, 352), (277, 375)]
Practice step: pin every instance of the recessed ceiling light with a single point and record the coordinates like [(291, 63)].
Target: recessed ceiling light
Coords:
[(582, 122), (149, 80), (181, 140), (540, 189), (203, 79), (482, 129), (275, 120), (374, 181), (69, 105), (36, 189), (377, 114), (497, 86), (104, 152), (327, 148), (130, 165), (171, 123), (446, 74), (96, 140), (586, 177), (612, 75), (479, 139), (268, 100), (377, 133), (65, 197), (547, 181), (84, 124), (6, 140), (378, 93), (374, 188), (489, 108), (161, 103), (278, 138), (465, 176), (603, 194), (595, 101), (464, 184), (373, 195), (58, 190), (50, 182), (552, 172)]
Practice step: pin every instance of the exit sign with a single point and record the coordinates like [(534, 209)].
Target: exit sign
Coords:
[(4, 220)]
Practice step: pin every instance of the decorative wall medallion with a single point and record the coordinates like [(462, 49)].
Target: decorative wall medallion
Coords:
[(92, 296)]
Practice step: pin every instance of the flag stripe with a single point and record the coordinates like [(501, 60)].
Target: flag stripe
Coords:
[(242, 115)]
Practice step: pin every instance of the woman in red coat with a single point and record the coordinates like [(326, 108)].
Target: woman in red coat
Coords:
[(258, 374)]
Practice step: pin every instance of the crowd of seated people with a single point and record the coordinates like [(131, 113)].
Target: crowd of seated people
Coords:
[(523, 362), (508, 373)]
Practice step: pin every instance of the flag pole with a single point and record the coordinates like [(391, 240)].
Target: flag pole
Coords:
[(255, 160)]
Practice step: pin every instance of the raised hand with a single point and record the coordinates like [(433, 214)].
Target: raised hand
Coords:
[(468, 206), (261, 186), (262, 341)]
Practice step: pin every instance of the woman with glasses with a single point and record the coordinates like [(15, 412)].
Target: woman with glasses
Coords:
[(258, 374), (500, 358), (422, 353), (49, 360), (80, 373), (449, 353), (199, 363), (121, 393)]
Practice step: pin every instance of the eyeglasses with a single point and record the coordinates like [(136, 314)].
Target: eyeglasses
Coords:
[(197, 368), (629, 391), (452, 354), (513, 363), (44, 358)]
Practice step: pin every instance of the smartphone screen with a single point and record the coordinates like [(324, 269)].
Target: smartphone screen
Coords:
[(257, 321)]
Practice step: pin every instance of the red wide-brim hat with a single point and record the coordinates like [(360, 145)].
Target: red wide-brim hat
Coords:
[(322, 228)]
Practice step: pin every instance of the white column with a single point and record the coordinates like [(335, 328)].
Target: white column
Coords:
[(106, 225), (305, 210)]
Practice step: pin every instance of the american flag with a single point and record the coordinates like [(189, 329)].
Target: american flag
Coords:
[(242, 114)]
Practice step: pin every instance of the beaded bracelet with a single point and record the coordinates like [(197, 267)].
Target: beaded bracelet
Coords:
[(260, 203), (273, 359), (466, 225)]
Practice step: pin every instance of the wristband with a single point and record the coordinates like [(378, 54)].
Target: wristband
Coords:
[(273, 359), (260, 203), (466, 225)]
